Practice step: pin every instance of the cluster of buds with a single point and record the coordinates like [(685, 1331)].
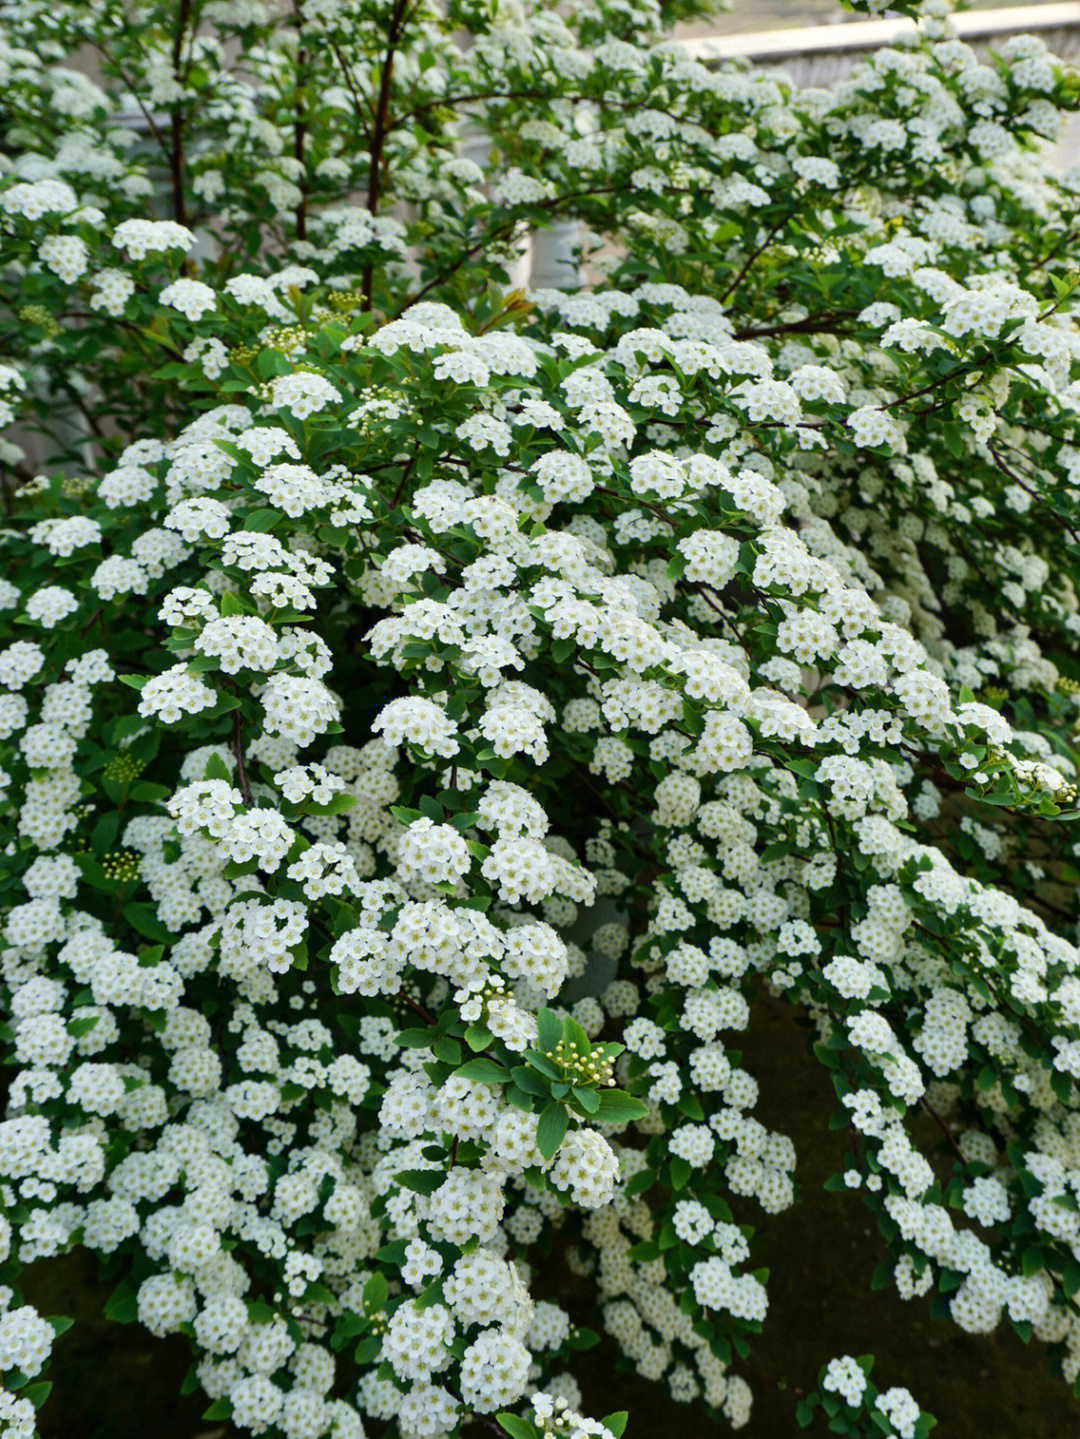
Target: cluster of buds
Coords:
[(38, 315), (580, 1067), (345, 299), (286, 339), (121, 865), (994, 695), (123, 768), (75, 485)]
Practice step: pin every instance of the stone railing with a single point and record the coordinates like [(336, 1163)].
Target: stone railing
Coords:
[(823, 54), (820, 55)]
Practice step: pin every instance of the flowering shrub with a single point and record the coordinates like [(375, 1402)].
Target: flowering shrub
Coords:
[(384, 650)]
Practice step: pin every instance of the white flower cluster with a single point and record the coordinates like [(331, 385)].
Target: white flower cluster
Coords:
[(681, 639)]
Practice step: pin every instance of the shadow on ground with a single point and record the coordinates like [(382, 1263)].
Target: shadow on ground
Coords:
[(821, 1254), (116, 1382)]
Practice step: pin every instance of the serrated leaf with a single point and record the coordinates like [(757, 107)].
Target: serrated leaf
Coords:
[(421, 1181), (587, 1098), (618, 1107), (516, 1427), (484, 1071), (143, 918), (376, 1292), (680, 1172), (262, 520), (549, 1030)]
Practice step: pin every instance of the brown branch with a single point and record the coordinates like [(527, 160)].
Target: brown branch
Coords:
[(406, 472), (176, 122), (933, 385), (498, 233), (151, 124), (354, 94), (300, 129), (419, 1009), (1010, 474), (449, 101), (381, 130), (944, 1127), (754, 254), (812, 325), (238, 751)]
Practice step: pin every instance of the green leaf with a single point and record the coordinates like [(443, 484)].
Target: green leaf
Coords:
[(37, 1393), (485, 1071), (1070, 1278), (518, 1098), (376, 1292), (415, 1038), (954, 439), (421, 1181), (549, 1027), (531, 1082), (641, 1183), (220, 1409), (554, 1122), (583, 1339), (477, 1037), (542, 1063), (616, 1422), (680, 1172), (260, 521), (447, 1049), (367, 1349), (573, 1034), (617, 1107), (587, 1098), (433, 1294), (405, 816), (121, 1306), (516, 1427), (144, 919)]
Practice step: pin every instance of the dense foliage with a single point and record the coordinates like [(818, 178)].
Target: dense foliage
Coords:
[(432, 714)]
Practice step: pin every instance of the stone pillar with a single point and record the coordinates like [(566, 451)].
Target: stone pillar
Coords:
[(553, 264)]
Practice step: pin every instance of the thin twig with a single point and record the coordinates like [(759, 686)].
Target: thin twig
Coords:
[(176, 122), (238, 751)]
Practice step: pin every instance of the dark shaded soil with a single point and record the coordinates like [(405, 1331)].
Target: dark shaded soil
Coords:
[(110, 1381), (117, 1382), (821, 1254)]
